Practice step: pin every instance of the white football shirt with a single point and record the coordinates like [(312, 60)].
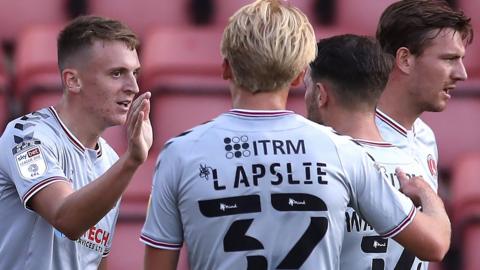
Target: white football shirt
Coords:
[(266, 190), (39, 150), (363, 248)]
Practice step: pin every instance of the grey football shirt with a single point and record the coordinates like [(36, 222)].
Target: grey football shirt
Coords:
[(418, 142), (265, 189), (39, 150), (363, 248)]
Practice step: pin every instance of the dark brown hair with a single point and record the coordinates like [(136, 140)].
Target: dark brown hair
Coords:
[(357, 67), (413, 23)]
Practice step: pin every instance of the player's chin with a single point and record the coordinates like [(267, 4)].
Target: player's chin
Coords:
[(118, 120)]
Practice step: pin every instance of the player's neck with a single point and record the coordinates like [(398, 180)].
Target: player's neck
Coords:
[(397, 105), (274, 100), (78, 124), (358, 125)]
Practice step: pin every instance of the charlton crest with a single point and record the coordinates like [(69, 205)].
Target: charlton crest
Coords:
[(432, 165)]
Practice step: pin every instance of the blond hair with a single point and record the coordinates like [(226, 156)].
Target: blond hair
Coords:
[(267, 44)]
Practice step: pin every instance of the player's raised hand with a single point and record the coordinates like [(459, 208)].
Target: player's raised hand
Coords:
[(415, 187), (139, 128)]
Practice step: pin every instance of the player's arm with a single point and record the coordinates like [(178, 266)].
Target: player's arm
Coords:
[(73, 212), (156, 258), (428, 235)]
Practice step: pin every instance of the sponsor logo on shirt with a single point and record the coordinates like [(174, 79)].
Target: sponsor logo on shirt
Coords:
[(241, 146), (225, 207), (95, 239)]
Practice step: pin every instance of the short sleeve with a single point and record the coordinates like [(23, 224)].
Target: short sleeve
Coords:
[(31, 162), (163, 226)]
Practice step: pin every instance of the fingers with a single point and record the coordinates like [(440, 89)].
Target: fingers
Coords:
[(402, 177), (137, 105)]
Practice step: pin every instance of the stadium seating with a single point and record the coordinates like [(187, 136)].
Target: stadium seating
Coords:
[(470, 246), (176, 112), (141, 15), (455, 129), (182, 58), (465, 189), (360, 17), (117, 138), (472, 55), (127, 250), (182, 68), (15, 16), (36, 70), (135, 199), (4, 106), (225, 9)]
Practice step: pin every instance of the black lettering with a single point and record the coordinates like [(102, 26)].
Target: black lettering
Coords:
[(277, 145), (264, 145), (300, 149), (258, 172), (241, 177), (321, 173), (274, 172), (290, 175), (216, 184), (308, 176)]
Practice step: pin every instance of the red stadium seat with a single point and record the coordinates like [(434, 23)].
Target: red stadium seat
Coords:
[(472, 56), (4, 106), (141, 15), (135, 199), (182, 68), (455, 132), (36, 69), (470, 246), (182, 58), (360, 17), (15, 16), (128, 252), (176, 112), (4, 112), (225, 9), (465, 190), (117, 138)]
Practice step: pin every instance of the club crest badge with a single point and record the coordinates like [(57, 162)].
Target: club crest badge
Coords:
[(432, 165)]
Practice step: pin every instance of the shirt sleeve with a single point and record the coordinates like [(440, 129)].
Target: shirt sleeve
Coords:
[(384, 207), (163, 226), (31, 162)]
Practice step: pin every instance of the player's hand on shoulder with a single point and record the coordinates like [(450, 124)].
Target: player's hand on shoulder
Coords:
[(139, 128), (415, 187)]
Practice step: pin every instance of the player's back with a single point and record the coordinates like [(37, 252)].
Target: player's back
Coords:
[(263, 189), (362, 247)]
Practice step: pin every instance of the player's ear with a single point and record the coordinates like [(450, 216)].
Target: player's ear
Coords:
[(323, 95), (71, 80), (404, 60), (226, 70), (298, 80)]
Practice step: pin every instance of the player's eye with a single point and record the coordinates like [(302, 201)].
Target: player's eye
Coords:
[(116, 73)]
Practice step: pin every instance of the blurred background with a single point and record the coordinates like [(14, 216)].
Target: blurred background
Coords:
[(181, 66)]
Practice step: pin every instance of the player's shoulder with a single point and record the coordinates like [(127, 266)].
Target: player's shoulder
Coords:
[(35, 125), (190, 136), (422, 129), (344, 145)]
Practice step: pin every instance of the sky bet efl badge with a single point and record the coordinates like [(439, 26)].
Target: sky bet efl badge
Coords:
[(30, 163)]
